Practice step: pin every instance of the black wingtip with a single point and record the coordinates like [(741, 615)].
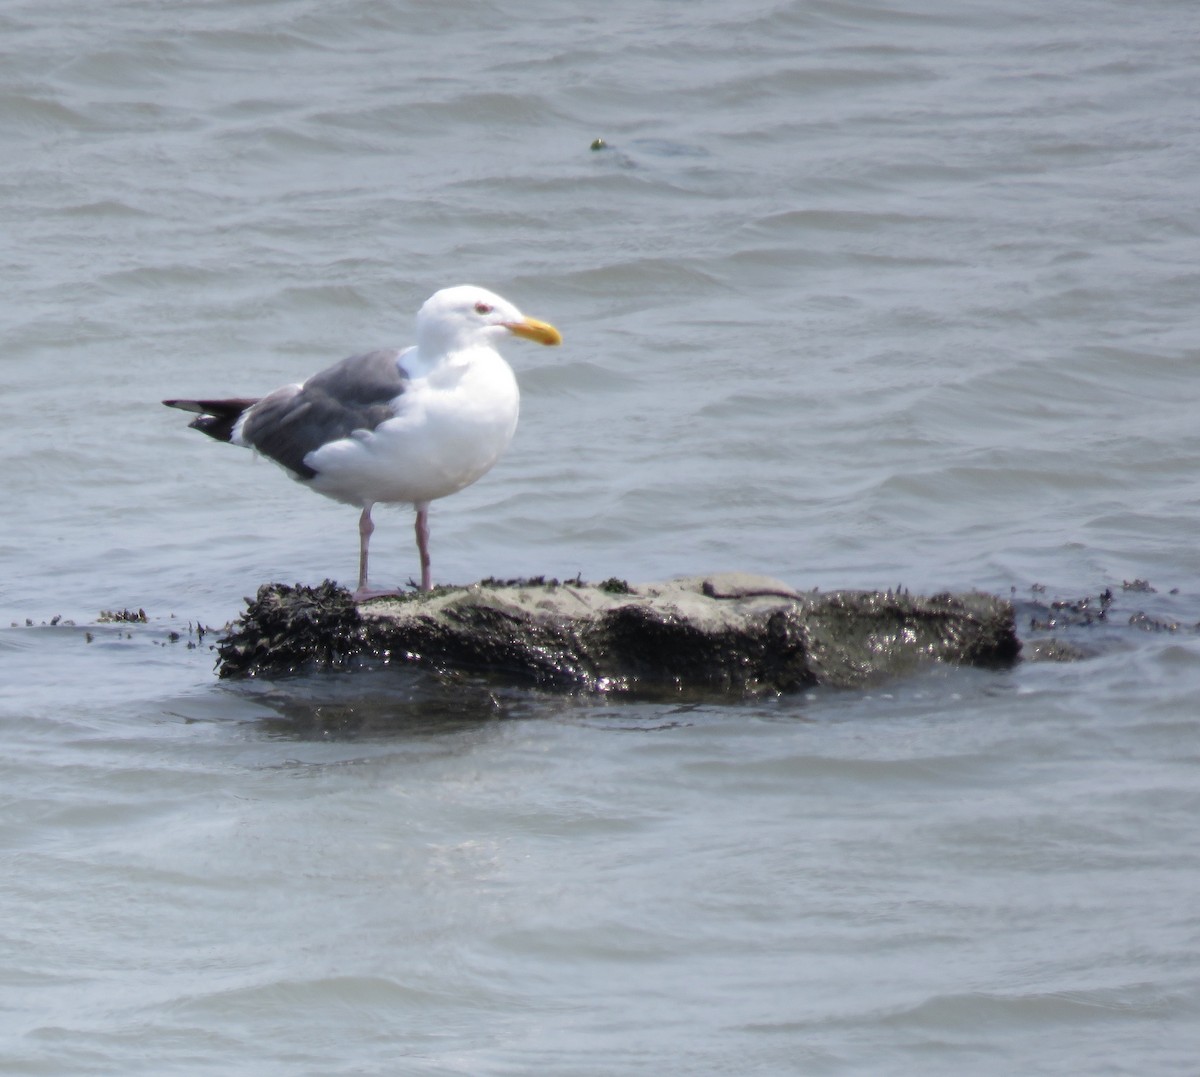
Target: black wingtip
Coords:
[(215, 426), (217, 418)]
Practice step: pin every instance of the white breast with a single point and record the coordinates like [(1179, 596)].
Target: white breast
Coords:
[(451, 426)]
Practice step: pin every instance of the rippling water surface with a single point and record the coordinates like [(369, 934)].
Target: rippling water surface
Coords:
[(855, 294)]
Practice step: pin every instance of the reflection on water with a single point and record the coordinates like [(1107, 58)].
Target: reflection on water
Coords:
[(381, 703), (410, 703)]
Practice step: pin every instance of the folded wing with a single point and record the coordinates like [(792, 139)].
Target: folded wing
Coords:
[(288, 424)]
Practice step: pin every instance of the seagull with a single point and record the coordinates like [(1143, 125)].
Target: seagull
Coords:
[(394, 426)]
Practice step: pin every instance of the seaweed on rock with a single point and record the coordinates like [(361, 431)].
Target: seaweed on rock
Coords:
[(294, 629), (721, 635)]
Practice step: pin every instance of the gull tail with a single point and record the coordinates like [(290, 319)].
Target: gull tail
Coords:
[(217, 417)]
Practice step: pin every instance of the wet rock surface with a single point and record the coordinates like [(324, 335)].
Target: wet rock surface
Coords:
[(722, 635)]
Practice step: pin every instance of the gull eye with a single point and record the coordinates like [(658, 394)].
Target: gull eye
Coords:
[(483, 308)]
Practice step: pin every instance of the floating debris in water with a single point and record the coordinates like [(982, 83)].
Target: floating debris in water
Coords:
[(122, 616), (1152, 624), (1065, 613)]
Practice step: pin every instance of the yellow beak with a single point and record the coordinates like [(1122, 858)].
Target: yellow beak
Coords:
[(532, 329)]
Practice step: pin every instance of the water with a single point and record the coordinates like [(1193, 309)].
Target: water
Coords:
[(858, 294)]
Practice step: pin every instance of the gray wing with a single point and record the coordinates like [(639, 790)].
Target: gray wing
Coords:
[(355, 394)]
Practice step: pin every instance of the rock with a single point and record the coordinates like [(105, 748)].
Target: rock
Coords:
[(721, 635), (289, 629)]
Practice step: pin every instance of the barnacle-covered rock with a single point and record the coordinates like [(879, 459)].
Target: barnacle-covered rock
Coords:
[(721, 635)]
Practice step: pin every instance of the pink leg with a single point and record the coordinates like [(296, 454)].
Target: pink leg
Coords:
[(422, 529), (365, 529)]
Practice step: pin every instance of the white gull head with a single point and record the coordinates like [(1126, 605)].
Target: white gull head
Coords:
[(466, 316)]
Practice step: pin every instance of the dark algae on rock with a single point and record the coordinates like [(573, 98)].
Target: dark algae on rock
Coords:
[(293, 630), (721, 635)]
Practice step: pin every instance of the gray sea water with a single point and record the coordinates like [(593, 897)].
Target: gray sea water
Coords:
[(858, 293)]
